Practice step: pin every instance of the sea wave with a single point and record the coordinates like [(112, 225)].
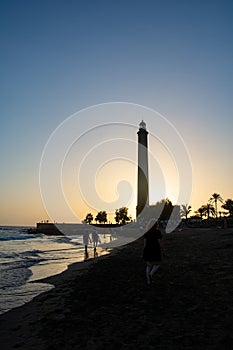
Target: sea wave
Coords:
[(18, 237)]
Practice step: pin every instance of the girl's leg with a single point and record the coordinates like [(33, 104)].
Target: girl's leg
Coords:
[(148, 273), (154, 269)]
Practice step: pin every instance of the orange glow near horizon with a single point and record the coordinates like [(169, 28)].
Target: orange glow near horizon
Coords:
[(114, 179)]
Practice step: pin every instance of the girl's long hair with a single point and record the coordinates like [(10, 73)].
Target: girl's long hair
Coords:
[(150, 224)]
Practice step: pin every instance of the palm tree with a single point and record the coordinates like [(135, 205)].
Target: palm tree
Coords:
[(228, 205), (215, 198), (208, 209), (200, 211), (185, 209)]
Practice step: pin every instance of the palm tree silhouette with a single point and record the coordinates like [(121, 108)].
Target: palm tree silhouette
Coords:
[(228, 205), (215, 198), (185, 210), (208, 209), (200, 211)]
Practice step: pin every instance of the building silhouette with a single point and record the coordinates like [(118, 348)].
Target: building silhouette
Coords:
[(143, 185)]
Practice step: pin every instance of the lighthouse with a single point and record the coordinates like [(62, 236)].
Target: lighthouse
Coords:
[(143, 192)]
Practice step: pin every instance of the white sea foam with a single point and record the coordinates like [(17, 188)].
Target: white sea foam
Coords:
[(27, 258)]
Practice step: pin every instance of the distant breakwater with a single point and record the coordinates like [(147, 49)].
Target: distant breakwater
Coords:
[(48, 229), (53, 229)]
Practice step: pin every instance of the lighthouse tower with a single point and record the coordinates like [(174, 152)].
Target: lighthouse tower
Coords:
[(143, 193)]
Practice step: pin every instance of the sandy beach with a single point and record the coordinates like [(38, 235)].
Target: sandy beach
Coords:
[(106, 304)]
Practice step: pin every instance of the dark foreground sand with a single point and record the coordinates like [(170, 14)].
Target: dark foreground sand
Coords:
[(189, 306)]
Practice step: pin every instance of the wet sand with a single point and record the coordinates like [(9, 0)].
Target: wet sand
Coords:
[(106, 303)]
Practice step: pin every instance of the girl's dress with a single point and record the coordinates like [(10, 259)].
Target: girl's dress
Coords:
[(152, 250)]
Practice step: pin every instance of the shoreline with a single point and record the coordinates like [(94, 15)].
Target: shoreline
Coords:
[(100, 252), (29, 283), (73, 270), (105, 303)]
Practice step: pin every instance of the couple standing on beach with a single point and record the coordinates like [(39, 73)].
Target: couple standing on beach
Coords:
[(152, 249), (86, 240)]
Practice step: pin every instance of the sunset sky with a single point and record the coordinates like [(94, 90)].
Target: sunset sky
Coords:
[(59, 57)]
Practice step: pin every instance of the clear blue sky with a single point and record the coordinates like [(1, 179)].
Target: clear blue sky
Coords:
[(58, 57)]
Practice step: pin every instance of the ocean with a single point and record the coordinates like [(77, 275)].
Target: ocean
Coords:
[(27, 258)]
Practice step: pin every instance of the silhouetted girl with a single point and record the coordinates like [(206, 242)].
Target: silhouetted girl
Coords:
[(152, 250)]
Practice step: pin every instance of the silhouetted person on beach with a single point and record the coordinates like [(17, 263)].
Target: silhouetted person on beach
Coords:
[(95, 254), (152, 250), (95, 239), (86, 241)]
